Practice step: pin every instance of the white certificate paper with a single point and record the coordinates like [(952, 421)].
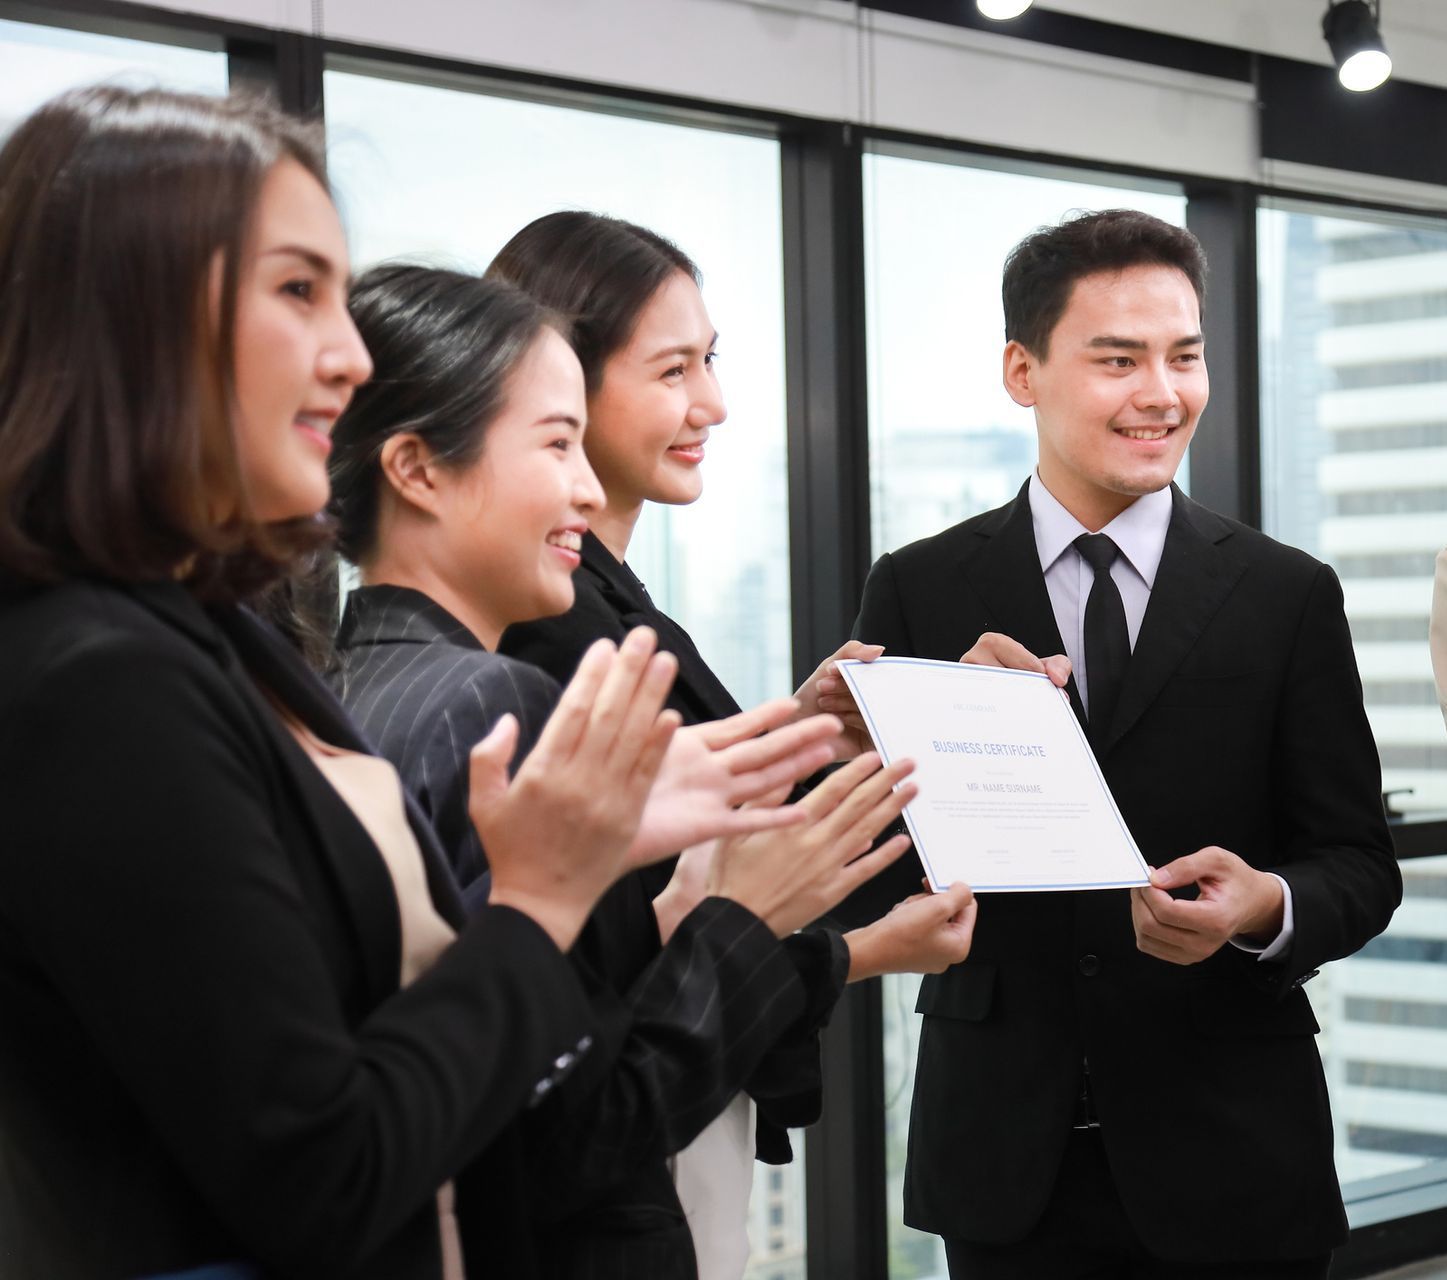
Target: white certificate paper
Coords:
[(1010, 796)]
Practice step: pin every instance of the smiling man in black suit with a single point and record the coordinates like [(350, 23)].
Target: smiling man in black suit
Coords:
[(1125, 1084)]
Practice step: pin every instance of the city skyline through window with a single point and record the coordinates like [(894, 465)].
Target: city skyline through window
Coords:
[(1354, 471)]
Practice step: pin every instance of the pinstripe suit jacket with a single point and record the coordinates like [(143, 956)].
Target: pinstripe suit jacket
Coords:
[(683, 1026), (425, 691)]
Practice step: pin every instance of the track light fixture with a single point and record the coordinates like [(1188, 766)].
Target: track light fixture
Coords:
[(1353, 30), (1002, 9)]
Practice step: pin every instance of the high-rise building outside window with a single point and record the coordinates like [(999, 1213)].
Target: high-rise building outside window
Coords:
[(1354, 470)]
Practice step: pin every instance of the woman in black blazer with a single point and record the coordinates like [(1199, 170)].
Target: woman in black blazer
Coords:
[(461, 490), (209, 1049), (639, 326)]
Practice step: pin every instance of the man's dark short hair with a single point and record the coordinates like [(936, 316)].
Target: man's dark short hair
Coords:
[(1042, 269)]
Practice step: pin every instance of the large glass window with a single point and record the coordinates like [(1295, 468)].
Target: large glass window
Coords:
[(1354, 470), (946, 442), (41, 62), (448, 175)]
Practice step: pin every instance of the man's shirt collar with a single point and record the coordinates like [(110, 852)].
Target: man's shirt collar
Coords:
[(1139, 531)]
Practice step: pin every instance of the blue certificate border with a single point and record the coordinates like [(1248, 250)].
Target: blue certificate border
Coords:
[(935, 881)]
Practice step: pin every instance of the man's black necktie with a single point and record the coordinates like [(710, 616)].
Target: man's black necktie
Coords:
[(1107, 641)]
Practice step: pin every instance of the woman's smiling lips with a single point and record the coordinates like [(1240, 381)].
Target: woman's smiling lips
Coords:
[(568, 543), (316, 426), (692, 452)]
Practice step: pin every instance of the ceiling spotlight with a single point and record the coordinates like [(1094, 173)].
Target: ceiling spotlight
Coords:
[(1352, 29), (1002, 9)]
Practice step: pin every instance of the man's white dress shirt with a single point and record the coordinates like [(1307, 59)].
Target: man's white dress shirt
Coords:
[(1140, 534)]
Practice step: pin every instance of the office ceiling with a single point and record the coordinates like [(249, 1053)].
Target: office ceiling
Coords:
[(1415, 30)]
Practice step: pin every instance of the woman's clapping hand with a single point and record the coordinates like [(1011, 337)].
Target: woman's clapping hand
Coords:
[(712, 769), (562, 830), (791, 877)]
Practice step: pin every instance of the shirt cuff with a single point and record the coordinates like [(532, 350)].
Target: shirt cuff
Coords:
[(1277, 946)]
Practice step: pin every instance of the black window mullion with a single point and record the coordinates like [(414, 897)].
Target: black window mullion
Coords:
[(1226, 451), (845, 1192), (284, 64), (287, 67), (829, 554), (828, 433)]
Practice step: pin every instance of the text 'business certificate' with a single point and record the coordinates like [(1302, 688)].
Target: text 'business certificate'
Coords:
[(1010, 795)]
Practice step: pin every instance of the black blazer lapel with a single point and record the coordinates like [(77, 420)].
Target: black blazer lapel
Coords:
[(251, 654), (1005, 573), (267, 653), (378, 616), (271, 660), (1193, 581), (695, 675), (696, 684), (356, 869)]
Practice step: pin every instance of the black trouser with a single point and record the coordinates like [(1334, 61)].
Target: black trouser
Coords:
[(1084, 1234)]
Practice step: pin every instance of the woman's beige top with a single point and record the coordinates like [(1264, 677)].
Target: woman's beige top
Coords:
[(372, 790)]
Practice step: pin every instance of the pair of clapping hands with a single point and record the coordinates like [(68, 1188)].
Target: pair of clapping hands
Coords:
[(614, 783), (1234, 902)]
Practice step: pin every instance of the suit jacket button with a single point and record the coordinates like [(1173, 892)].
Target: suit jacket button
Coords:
[(1088, 965)]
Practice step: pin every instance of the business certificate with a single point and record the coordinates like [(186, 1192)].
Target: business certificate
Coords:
[(1010, 796)]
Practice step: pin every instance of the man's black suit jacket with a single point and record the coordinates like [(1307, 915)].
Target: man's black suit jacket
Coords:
[(1240, 724), (687, 1025), (204, 1053)]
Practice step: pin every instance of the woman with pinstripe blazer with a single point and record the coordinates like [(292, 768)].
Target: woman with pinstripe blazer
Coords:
[(462, 491)]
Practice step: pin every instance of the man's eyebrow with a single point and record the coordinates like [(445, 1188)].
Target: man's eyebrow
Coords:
[(1115, 342), (682, 349)]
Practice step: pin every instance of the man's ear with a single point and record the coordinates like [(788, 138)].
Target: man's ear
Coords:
[(1020, 366), (410, 470)]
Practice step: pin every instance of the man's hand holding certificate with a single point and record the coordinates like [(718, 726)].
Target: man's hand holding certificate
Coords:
[(1010, 795)]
